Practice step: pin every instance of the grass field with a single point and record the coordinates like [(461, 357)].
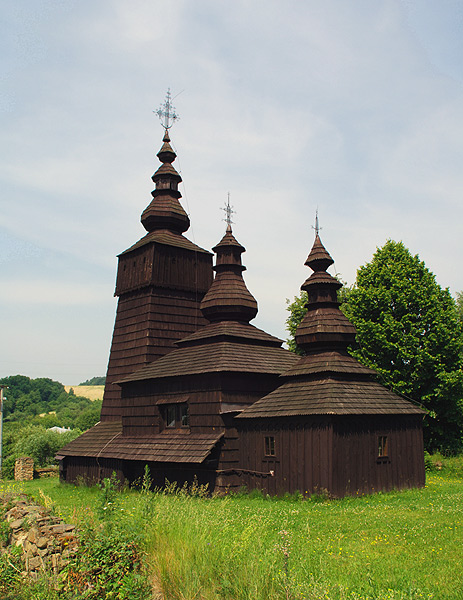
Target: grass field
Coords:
[(92, 392), (394, 546)]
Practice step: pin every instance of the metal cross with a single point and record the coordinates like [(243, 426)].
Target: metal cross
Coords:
[(166, 112), (228, 210), (317, 227)]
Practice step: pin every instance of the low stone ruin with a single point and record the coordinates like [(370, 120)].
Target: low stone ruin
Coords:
[(24, 469), (47, 541)]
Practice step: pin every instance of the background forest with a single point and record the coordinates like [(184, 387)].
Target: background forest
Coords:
[(31, 408)]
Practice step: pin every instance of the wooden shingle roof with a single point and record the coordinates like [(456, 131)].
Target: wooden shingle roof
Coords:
[(233, 331), (329, 396), (228, 298), (167, 238), (322, 363), (105, 440), (217, 357)]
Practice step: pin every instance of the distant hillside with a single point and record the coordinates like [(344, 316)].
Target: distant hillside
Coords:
[(26, 399), (92, 392), (94, 381)]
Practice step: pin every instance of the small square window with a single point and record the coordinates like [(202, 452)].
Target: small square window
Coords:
[(269, 445), (175, 416), (383, 446)]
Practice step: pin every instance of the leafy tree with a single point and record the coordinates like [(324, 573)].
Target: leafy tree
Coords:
[(94, 381), (37, 442), (32, 407), (408, 330), (297, 309), (89, 417), (459, 302)]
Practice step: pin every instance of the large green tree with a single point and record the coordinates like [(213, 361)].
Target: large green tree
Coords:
[(459, 301), (409, 331)]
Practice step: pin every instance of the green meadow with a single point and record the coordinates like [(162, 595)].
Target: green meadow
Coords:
[(397, 545)]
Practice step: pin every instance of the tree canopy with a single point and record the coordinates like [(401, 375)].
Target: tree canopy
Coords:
[(410, 333), (94, 381), (31, 408)]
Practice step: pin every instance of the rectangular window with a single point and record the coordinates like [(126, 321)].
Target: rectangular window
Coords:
[(269, 441), (382, 446), (176, 416), (184, 416)]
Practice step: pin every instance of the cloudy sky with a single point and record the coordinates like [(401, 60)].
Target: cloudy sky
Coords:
[(352, 107)]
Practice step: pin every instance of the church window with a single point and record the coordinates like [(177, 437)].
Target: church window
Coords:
[(383, 450), (269, 442), (176, 416)]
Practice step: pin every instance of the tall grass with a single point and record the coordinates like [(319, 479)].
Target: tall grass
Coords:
[(394, 546)]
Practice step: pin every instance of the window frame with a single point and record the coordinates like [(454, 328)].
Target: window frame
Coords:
[(175, 416), (269, 446), (382, 446)]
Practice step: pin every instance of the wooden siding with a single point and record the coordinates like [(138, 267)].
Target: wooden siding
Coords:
[(337, 455), (303, 456), (357, 467), (93, 471), (210, 397), (90, 470), (164, 266), (160, 288), (148, 323)]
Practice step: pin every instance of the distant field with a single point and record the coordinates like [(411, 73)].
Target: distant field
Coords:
[(93, 392)]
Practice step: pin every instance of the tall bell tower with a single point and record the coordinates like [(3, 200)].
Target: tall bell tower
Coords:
[(161, 280)]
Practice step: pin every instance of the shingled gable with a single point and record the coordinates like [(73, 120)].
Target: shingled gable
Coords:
[(330, 425), (161, 280)]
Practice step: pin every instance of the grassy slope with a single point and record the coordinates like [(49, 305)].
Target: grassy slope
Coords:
[(391, 546)]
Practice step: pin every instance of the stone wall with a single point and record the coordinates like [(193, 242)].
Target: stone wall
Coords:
[(47, 542), (24, 469)]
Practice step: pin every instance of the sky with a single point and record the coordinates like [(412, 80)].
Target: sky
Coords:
[(351, 108)]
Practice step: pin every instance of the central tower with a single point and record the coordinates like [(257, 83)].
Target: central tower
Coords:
[(161, 281)]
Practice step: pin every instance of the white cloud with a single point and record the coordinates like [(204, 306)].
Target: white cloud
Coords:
[(345, 106), (50, 293)]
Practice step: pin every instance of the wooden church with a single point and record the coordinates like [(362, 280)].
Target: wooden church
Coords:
[(194, 390)]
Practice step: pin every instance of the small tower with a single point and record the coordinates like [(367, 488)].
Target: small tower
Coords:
[(324, 326), (228, 298), (330, 425), (161, 281)]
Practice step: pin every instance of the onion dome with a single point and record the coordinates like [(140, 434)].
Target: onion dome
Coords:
[(324, 325), (165, 211), (228, 298)]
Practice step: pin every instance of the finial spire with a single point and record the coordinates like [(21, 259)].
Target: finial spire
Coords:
[(317, 227), (166, 112), (228, 298), (228, 210)]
